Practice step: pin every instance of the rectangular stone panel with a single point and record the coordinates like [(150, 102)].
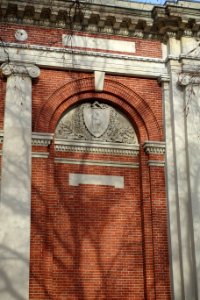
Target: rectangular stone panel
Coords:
[(116, 181), (96, 43)]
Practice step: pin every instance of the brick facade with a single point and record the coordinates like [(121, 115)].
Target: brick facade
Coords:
[(98, 242), (109, 216)]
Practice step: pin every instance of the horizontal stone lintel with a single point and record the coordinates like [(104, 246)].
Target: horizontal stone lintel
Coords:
[(63, 50), (51, 57), (40, 154), (103, 163), (156, 163)]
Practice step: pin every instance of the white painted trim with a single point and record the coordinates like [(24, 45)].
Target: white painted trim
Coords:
[(104, 163)]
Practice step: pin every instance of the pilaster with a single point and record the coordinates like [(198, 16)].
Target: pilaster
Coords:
[(172, 195), (16, 181), (190, 83), (183, 270)]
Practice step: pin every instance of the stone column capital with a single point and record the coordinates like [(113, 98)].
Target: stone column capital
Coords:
[(20, 68), (185, 79), (163, 79)]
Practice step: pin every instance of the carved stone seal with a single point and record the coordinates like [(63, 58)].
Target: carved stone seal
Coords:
[(96, 118)]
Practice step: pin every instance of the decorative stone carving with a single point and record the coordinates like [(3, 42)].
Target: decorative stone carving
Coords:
[(96, 122), (185, 79), (12, 68), (21, 35), (110, 20)]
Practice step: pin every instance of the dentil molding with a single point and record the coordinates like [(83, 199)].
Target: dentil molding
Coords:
[(41, 139), (116, 17), (151, 147)]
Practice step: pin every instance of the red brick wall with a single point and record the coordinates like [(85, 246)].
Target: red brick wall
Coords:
[(53, 38), (98, 241)]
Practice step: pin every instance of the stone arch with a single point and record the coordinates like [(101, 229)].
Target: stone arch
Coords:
[(117, 94)]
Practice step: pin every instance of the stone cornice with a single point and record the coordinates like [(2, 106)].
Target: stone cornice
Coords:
[(151, 147), (23, 69), (114, 17), (41, 139), (38, 139), (100, 148)]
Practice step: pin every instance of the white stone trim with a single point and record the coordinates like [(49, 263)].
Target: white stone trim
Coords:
[(98, 43), (181, 235), (18, 68), (15, 216), (104, 163), (99, 78), (186, 78), (80, 52), (164, 78), (97, 147), (40, 154), (65, 59), (77, 179), (38, 139), (41, 139), (156, 163), (151, 147)]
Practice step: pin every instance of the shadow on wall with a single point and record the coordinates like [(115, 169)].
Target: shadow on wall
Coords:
[(94, 251)]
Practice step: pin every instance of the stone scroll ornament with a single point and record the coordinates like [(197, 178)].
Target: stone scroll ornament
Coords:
[(96, 121)]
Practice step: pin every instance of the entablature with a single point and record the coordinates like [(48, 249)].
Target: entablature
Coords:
[(113, 17)]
